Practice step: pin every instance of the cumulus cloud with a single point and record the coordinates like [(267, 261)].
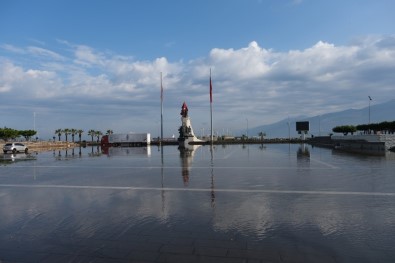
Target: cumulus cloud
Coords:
[(250, 62), (261, 84)]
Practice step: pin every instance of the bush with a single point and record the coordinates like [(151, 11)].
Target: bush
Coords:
[(345, 129), (385, 127)]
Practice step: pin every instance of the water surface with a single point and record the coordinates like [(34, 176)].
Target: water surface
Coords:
[(234, 203)]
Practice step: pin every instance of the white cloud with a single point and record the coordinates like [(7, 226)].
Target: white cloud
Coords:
[(13, 49), (252, 82), (249, 62), (86, 56), (44, 53), (28, 84)]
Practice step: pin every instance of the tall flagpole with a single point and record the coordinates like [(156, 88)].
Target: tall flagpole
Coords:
[(211, 107), (161, 109)]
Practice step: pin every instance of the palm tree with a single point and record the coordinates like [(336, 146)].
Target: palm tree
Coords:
[(91, 133), (79, 134), (59, 133), (73, 132), (98, 134), (262, 134), (66, 132), (109, 132)]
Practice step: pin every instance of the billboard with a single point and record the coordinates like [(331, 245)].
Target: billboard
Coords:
[(302, 126)]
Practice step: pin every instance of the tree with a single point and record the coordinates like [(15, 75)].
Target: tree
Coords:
[(91, 133), (109, 132), (66, 132), (345, 129), (363, 127), (59, 133), (8, 133), (73, 133), (79, 134), (262, 134), (27, 134), (385, 127), (98, 134)]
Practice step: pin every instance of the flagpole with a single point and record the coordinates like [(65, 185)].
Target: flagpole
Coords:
[(161, 109), (211, 107)]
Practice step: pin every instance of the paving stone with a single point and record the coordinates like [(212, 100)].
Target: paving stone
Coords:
[(178, 258), (211, 251), (220, 243), (172, 240), (141, 256), (177, 249)]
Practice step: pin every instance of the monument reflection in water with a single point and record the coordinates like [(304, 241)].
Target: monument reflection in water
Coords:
[(280, 203)]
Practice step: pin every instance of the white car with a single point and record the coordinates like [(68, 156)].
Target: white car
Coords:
[(15, 147)]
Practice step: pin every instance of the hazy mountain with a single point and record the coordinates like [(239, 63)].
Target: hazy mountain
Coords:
[(323, 124)]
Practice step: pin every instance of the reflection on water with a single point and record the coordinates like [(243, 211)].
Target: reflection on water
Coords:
[(97, 151), (303, 155), (287, 203), (126, 151), (67, 153), (16, 157), (303, 152), (186, 154)]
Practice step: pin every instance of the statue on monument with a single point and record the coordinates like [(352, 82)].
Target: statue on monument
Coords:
[(184, 110), (185, 130)]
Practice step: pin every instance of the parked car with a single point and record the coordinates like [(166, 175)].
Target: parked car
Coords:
[(15, 147)]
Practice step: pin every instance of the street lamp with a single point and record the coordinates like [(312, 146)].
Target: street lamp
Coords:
[(370, 99)]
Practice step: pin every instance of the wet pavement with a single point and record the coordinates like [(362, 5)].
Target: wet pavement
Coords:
[(235, 203)]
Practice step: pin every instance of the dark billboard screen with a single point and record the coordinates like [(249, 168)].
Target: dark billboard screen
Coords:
[(302, 126)]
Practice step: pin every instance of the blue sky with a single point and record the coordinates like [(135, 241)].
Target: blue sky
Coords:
[(96, 64)]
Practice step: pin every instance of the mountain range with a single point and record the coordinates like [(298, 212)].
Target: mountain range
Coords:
[(323, 124)]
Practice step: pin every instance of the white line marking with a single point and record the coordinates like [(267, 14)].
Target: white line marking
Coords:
[(324, 163), (198, 189)]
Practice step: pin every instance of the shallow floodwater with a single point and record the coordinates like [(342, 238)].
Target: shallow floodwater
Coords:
[(234, 203)]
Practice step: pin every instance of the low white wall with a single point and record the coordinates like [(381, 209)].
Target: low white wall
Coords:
[(388, 139)]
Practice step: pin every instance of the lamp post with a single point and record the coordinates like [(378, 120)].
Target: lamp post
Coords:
[(370, 99)]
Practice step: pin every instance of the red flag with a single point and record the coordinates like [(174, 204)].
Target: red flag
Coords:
[(211, 89)]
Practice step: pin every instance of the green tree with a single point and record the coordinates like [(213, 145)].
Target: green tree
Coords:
[(98, 134), (59, 133), (73, 133), (109, 132), (8, 133), (262, 134), (79, 134), (345, 129), (66, 133), (385, 127), (91, 133), (27, 134)]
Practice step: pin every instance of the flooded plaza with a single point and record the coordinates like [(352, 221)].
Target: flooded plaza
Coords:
[(226, 203)]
